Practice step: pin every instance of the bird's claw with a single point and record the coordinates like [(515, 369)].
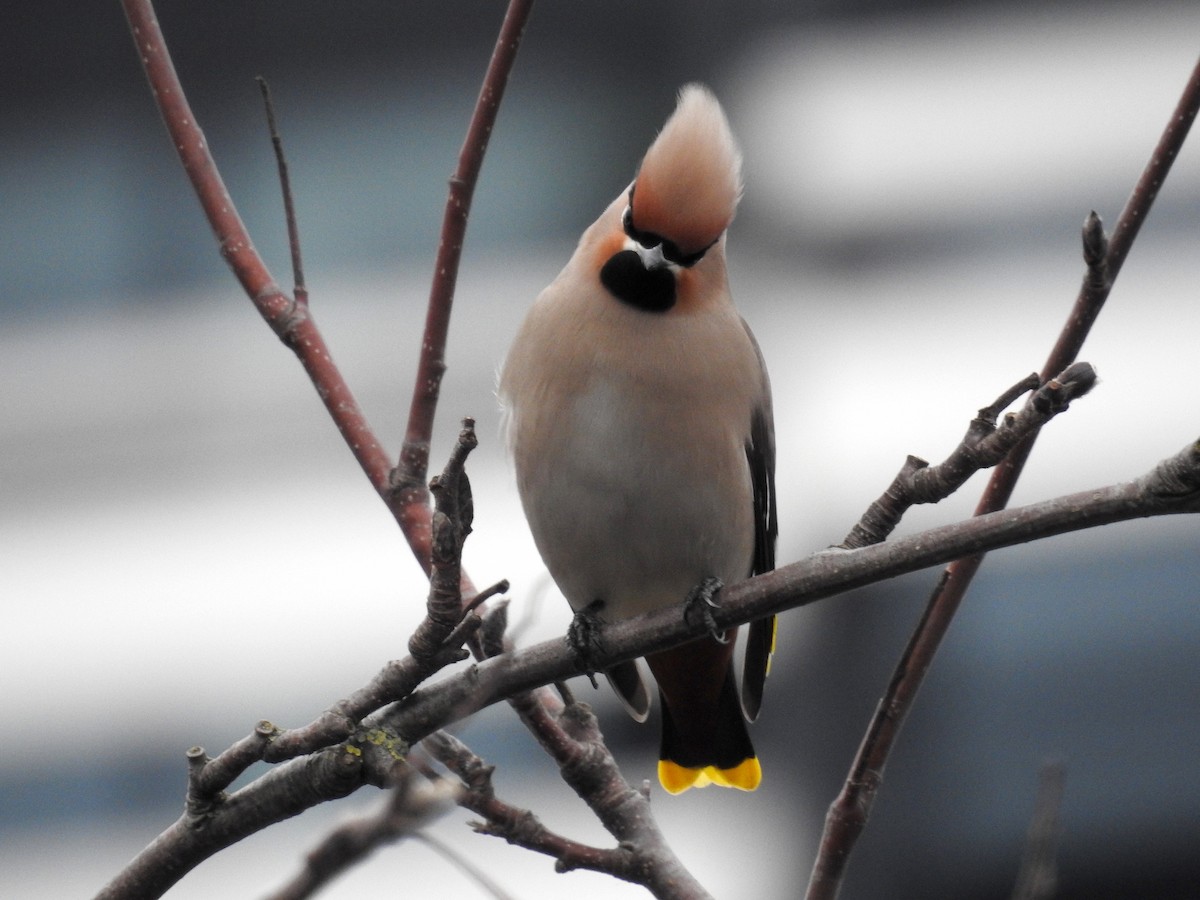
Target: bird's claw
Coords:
[(700, 602), (583, 637)]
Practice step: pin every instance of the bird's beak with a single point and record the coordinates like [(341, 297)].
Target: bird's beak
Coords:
[(652, 258)]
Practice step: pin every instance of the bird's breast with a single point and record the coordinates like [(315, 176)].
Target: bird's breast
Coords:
[(634, 480)]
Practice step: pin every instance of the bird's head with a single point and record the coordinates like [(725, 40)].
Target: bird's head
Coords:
[(684, 197)]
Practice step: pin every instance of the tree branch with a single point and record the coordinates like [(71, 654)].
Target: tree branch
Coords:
[(402, 487), (642, 855), (517, 826), (571, 736), (290, 320), (300, 289), (983, 446), (450, 525), (407, 495), (850, 810), (1172, 487)]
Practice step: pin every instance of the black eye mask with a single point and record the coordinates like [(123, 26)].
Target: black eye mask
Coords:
[(649, 239)]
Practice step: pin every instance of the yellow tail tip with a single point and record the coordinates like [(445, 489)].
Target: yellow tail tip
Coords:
[(676, 779)]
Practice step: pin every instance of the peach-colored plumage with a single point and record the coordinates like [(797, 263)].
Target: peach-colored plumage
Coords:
[(690, 180)]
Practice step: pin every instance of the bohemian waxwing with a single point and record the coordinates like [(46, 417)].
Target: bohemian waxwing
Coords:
[(639, 421)]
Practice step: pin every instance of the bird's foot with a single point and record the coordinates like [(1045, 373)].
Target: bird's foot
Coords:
[(583, 637), (699, 604)]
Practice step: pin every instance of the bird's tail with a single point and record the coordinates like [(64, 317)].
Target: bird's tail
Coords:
[(704, 737)]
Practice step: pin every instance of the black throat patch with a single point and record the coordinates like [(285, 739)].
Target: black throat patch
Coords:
[(628, 279)]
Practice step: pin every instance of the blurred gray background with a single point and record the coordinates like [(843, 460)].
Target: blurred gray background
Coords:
[(187, 547)]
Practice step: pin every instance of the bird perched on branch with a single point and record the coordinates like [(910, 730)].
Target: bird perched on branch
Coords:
[(639, 420)]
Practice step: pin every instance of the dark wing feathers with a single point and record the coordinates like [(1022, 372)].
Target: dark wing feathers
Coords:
[(760, 455)]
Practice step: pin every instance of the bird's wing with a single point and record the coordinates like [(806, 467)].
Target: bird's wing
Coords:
[(760, 455)]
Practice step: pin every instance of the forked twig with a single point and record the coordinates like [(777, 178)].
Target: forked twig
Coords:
[(850, 810), (290, 320), (571, 736), (983, 446), (402, 487)]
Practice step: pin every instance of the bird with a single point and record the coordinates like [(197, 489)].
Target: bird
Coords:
[(638, 417)]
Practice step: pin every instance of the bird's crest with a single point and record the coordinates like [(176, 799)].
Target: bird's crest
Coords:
[(691, 177)]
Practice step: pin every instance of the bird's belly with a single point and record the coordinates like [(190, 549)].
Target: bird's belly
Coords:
[(631, 512)]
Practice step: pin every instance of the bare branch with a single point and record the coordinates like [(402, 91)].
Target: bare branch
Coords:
[(451, 523), (571, 736), (850, 810), (290, 320), (282, 793), (983, 446), (394, 681), (1172, 487), (208, 778), (408, 479), (517, 826)]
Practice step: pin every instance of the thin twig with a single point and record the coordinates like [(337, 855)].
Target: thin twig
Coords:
[(300, 291), (850, 810), (517, 826), (208, 778)]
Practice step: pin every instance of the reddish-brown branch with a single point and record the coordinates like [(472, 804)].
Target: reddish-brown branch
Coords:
[(200, 167), (402, 488), (849, 812), (290, 321), (410, 501)]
